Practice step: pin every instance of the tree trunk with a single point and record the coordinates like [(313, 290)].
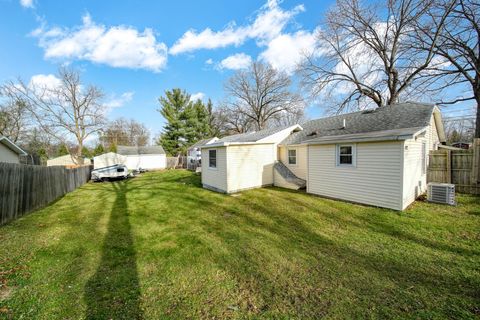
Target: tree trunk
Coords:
[(477, 121), (78, 155)]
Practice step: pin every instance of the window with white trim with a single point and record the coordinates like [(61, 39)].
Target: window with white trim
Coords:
[(212, 158), (345, 155), (292, 156)]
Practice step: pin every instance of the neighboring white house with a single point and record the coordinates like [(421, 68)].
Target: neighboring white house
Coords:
[(150, 158), (194, 153), (9, 151), (67, 161), (376, 157), (108, 159)]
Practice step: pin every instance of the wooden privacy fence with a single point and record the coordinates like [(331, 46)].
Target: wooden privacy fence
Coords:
[(24, 188), (460, 167)]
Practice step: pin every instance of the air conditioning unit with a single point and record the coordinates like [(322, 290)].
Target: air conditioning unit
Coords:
[(441, 193)]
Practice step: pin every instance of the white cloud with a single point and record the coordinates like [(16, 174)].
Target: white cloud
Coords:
[(269, 23), (117, 46), (26, 3), (236, 62), (286, 51), (44, 81), (197, 96), (209, 61), (120, 101)]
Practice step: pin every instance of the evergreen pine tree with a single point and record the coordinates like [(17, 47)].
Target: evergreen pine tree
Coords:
[(187, 121), (99, 149)]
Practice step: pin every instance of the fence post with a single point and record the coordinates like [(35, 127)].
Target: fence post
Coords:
[(449, 166), (475, 176)]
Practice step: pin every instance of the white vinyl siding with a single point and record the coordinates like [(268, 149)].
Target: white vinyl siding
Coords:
[(250, 166), (415, 165), (215, 177), (7, 155), (375, 180), (146, 161), (300, 168), (432, 136)]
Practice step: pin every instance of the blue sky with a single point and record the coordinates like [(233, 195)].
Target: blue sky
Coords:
[(135, 50), (34, 35)]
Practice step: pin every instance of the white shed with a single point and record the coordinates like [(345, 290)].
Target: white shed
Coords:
[(9, 151), (194, 153), (243, 161), (150, 158)]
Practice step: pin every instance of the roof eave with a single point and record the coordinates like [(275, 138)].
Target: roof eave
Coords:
[(226, 144), (363, 139), (12, 146), (360, 138)]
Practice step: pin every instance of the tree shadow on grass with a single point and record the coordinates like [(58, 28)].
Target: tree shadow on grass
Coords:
[(113, 292)]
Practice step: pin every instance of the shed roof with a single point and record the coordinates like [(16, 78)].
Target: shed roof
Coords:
[(401, 117), (129, 151), (12, 146), (253, 136), (203, 142)]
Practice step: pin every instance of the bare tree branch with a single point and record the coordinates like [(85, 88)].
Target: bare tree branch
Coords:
[(69, 110)]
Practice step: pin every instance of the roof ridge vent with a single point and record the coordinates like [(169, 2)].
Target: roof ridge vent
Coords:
[(344, 123)]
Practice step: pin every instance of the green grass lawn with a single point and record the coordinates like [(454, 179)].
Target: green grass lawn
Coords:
[(161, 247)]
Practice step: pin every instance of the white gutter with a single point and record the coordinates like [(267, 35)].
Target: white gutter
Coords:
[(12, 146)]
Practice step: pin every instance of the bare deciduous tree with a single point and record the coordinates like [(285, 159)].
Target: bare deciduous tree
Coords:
[(365, 54), (458, 45), (13, 118), (260, 94), (125, 132), (228, 121), (67, 110)]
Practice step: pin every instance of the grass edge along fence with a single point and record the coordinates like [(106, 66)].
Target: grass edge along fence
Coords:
[(460, 167), (25, 188)]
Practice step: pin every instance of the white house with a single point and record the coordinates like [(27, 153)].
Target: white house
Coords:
[(9, 151), (194, 153), (66, 161), (150, 158), (376, 157)]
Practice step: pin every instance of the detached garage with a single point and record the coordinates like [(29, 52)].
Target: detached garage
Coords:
[(150, 158)]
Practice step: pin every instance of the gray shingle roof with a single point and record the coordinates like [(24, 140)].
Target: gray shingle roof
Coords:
[(129, 151), (200, 143), (398, 116), (252, 136)]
